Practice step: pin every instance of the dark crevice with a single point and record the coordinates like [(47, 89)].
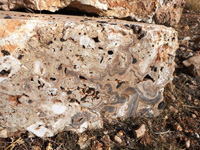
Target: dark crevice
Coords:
[(134, 60), (20, 57), (101, 60), (69, 92), (100, 48), (110, 52), (84, 98), (82, 77), (96, 39), (148, 77), (119, 84), (53, 79), (5, 52), (153, 68), (4, 73)]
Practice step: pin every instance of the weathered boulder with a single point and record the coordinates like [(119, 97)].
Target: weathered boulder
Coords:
[(158, 11), (67, 73)]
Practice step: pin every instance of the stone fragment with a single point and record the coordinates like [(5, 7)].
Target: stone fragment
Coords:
[(141, 131), (67, 73), (187, 143), (118, 139), (158, 11), (83, 141), (178, 127), (194, 116), (193, 63)]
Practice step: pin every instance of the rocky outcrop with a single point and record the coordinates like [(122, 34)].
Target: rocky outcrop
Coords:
[(67, 73), (157, 11)]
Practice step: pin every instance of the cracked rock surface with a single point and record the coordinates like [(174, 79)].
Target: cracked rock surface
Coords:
[(68, 73), (166, 12)]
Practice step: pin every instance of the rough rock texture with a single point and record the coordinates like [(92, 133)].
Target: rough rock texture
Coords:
[(159, 11), (67, 73)]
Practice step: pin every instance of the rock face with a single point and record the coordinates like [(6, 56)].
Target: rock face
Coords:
[(158, 11), (67, 73)]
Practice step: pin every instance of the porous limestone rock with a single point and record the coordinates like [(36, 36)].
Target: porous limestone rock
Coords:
[(67, 73), (159, 11)]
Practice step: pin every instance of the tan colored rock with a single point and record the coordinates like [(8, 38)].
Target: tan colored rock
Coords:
[(66, 73), (83, 141), (193, 63), (158, 11), (141, 131)]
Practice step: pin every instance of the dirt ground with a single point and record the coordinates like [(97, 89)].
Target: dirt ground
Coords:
[(178, 127)]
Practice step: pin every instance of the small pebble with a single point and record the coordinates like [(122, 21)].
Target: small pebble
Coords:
[(141, 131), (187, 144), (117, 139), (194, 116), (179, 128)]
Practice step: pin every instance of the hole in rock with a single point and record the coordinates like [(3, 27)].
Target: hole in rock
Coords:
[(175, 5), (83, 99), (69, 92), (102, 21), (119, 84), (60, 67), (4, 73), (161, 105), (101, 60), (72, 100), (96, 39), (62, 88), (110, 52), (153, 68), (82, 77), (161, 69), (7, 17), (62, 40), (139, 30), (30, 101), (5, 52), (100, 48), (61, 48), (53, 79), (50, 42), (134, 60), (41, 85), (25, 95), (148, 77), (141, 36), (20, 57)]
